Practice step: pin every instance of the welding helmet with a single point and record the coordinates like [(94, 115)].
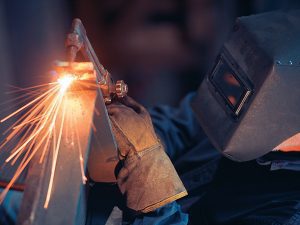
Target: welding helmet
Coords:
[(249, 103)]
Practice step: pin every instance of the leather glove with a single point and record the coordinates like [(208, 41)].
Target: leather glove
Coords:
[(147, 179)]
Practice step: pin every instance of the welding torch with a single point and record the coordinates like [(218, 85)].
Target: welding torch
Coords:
[(103, 157), (77, 41)]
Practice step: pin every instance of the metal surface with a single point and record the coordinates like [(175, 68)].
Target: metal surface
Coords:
[(103, 155), (68, 198), (86, 112)]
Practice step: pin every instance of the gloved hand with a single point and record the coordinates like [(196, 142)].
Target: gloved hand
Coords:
[(147, 179)]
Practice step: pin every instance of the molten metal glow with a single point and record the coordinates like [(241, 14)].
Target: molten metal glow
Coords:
[(39, 128), (65, 82)]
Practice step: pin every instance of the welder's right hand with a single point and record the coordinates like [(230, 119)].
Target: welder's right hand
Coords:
[(147, 179)]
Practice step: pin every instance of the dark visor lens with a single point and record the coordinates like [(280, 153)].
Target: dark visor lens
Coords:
[(229, 86)]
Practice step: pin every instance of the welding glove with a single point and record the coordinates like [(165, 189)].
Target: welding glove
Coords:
[(147, 178)]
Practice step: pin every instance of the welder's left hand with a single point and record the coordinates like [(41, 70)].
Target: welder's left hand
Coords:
[(147, 179)]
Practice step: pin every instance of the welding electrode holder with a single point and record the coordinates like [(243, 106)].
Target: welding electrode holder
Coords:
[(77, 41)]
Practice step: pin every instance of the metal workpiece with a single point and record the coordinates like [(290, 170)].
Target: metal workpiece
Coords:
[(103, 146), (86, 142), (90, 134), (67, 204)]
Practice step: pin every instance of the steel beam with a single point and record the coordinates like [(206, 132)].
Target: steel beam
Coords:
[(68, 197)]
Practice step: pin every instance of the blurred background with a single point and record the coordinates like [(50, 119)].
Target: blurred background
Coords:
[(162, 49)]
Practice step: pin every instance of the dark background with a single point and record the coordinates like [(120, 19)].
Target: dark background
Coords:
[(161, 48)]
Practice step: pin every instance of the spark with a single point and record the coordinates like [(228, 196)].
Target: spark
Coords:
[(65, 82), (37, 129), (54, 161)]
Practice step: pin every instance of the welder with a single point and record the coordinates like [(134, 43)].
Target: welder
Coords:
[(247, 108)]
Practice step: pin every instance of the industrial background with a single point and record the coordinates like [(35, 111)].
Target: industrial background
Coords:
[(161, 49)]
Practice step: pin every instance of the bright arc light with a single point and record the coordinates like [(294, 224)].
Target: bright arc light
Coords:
[(43, 114), (65, 82)]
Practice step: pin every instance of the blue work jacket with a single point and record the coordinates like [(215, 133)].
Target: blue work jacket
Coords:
[(221, 192), (262, 191)]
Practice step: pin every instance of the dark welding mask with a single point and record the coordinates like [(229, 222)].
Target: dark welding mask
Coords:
[(250, 101)]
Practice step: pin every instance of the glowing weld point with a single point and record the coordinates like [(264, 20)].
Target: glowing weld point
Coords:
[(65, 82)]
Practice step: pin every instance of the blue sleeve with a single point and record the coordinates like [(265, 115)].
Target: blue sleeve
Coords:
[(9, 208), (177, 128), (170, 214)]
